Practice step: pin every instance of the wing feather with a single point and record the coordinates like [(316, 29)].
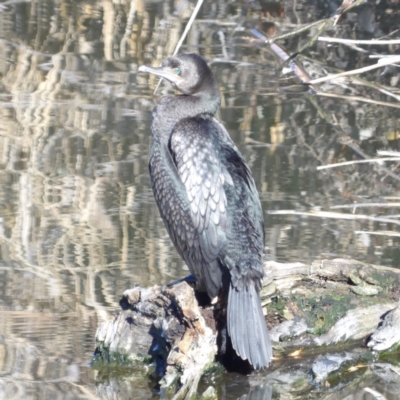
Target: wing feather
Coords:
[(203, 175)]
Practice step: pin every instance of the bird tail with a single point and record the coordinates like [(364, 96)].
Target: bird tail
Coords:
[(247, 327)]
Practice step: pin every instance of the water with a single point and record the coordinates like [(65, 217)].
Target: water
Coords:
[(78, 222)]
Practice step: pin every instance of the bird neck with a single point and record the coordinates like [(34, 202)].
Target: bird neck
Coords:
[(172, 109)]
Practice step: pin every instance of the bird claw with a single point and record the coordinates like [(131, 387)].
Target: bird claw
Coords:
[(190, 279)]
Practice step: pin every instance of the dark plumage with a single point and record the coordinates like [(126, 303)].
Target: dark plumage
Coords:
[(208, 200)]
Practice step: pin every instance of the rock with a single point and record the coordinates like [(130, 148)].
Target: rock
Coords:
[(288, 330), (390, 374), (356, 324), (388, 332), (363, 288), (326, 364), (288, 379), (209, 394)]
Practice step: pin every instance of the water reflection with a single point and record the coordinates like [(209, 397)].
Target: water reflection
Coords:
[(78, 223), (260, 392)]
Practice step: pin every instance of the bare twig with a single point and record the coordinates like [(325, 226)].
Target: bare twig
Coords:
[(334, 215), (322, 24), (371, 160), (188, 26), (380, 64), (382, 55), (185, 32), (296, 66), (358, 205), (359, 98), (390, 34), (346, 6), (350, 41), (388, 153), (298, 31), (361, 81), (356, 48)]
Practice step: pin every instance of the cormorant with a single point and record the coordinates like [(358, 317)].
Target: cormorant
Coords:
[(208, 200)]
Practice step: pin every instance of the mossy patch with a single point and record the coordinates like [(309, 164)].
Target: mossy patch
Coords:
[(103, 357), (391, 355), (320, 305)]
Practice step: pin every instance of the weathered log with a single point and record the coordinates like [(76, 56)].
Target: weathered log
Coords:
[(326, 303), (164, 325)]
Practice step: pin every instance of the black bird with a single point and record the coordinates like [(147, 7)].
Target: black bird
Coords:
[(208, 200)]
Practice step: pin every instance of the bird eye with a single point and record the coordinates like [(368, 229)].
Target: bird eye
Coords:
[(177, 71)]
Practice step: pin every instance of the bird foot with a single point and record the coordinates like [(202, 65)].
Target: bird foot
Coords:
[(190, 279)]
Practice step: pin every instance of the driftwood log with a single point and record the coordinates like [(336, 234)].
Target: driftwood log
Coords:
[(330, 303)]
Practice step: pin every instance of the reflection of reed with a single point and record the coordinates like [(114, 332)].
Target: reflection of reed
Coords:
[(70, 183)]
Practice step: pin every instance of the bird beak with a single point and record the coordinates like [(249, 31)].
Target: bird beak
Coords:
[(167, 73)]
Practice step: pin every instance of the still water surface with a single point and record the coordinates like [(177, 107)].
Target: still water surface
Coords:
[(78, 222)]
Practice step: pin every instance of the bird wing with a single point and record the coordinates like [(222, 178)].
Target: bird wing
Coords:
[(203, 175), (171, 199), (243, 254)]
